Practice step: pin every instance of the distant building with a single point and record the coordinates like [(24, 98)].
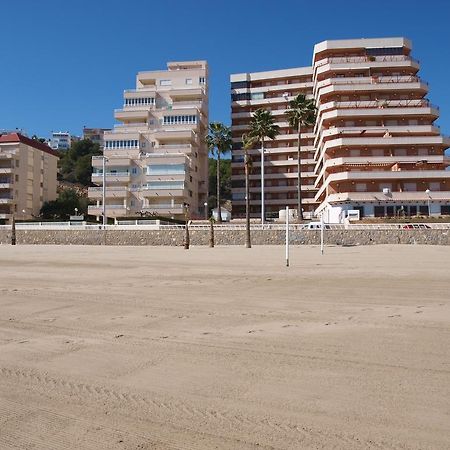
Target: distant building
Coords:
[(62, 140), (96, 135), (27, 176)]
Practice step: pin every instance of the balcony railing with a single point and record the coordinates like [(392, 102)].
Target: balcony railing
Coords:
[(112, 174), (100, 207), (370, 80), (378, 104), (162, 206), (365, 59), (131, 125), (163, 187)]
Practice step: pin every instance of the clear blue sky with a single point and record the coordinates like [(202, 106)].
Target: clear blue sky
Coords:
[(65, 64)]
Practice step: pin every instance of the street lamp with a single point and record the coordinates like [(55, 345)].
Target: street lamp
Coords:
[(206, 210), (428, 201), (105, 220)]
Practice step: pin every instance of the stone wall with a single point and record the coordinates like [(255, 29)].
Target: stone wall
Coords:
[(226, 237)]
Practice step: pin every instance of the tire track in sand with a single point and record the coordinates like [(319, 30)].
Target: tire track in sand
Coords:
[(180, 412)]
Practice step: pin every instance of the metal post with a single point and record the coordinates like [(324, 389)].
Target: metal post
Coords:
[(104, 222), (13, 229), (262, 186), (287, 236), (321, 233), (186, 227)]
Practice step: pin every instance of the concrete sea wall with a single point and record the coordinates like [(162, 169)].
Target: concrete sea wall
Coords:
[(225, 237)]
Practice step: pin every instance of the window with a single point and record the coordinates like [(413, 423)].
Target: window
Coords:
[(435, 186), (445, 210), (238, 195), (240, 97), (240, 84), (165, 82), (202, 80), (134, 170), (165, 185), (384, 51), (410, 187), (175, 120), (361, 187), (188, 80), (258, 96), (17, 178), (162, 169), (17, 163)]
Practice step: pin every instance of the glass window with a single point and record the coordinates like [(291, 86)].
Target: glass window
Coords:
[(165, 82), (188, 80), (257, 96)]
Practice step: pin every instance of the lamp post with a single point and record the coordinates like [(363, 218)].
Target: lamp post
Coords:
[(105, 220), (13, 229), (206, 210), (428, 201)]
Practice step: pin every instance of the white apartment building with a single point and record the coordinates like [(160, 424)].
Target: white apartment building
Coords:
[(60, 140), (374, 148), (157, 158)]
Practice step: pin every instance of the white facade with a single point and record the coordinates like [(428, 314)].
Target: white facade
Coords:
[(157, 158)]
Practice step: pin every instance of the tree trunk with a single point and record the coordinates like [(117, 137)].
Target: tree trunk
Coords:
[(219, 212), (211, 233), (13, 230), (262, 183), (248, 242), (299, 177)]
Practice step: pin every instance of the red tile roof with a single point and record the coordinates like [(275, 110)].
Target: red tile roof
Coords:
[(17, 137)]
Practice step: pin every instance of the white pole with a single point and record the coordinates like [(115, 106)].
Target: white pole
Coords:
[(287, 236), (321, 233), (262, 184), (104, 193)]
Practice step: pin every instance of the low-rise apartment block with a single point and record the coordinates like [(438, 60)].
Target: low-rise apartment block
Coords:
[(157, 158), (374, 148), (28, 170)]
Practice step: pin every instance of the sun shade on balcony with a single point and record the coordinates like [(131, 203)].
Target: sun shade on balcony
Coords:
[(398, 197)]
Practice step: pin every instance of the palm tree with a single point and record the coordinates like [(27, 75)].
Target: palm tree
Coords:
[(262, 125), (219, 143), (301, 113), (247, 143)]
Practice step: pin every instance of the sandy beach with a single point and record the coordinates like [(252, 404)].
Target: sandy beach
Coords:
[(225, 348)]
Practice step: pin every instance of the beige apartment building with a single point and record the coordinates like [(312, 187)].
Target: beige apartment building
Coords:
[(28, 170), (374, 148), (156, 158)]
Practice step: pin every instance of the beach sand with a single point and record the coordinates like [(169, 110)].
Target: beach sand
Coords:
[(225, 348)]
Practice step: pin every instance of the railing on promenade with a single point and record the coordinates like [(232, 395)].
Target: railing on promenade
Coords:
[(155, 225)]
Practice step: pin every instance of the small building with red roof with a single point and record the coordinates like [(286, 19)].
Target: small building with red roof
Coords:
[(28, 171)]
